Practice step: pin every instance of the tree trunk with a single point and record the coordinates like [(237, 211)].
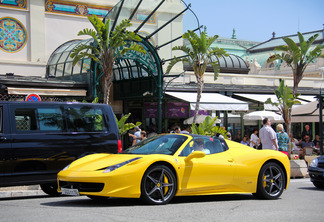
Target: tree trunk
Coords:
[(288, 125), (200, 85), (108, 72)]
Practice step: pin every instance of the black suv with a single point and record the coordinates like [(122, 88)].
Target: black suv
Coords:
[(316, 172), (38, 139)]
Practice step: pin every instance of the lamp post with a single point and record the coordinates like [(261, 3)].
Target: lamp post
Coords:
[(320, 104)]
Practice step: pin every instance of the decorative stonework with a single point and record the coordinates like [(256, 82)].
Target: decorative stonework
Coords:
[(75, 8), (145, 34), (140, 16), (20, 4), (13, 35)]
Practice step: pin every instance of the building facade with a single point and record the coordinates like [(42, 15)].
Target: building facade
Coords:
[(32, 32)]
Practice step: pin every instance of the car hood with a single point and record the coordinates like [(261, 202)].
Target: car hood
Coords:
[(99, 161)]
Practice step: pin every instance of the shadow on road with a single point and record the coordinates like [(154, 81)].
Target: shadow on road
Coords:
[(117, 202), (311, 188)]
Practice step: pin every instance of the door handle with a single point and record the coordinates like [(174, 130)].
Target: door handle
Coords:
[(2, 138), (230, 160)]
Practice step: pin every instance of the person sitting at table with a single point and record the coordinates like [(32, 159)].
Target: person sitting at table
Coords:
[(316, 141), (303, 144), (294, 148), (245, 140)]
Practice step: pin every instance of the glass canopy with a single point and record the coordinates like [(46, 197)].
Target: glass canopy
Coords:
[(152, 20)]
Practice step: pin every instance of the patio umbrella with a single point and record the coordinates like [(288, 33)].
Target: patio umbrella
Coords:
[(199, 119), (260, 115)]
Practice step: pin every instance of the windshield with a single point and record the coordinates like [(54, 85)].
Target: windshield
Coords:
[(161, 144)]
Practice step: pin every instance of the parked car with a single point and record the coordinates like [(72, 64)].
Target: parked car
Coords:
[(316, 172), (38, 139), (168, 165)]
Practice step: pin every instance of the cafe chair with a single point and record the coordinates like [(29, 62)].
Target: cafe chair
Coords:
[(308, 151)]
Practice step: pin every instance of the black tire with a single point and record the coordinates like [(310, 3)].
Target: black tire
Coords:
[(271, 182), (50, 189), (97, 198), (319, 185), (158, 185)]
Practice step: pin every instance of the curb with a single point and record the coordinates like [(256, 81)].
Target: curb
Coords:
[(20, 191)]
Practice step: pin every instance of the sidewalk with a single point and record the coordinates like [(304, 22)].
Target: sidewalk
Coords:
[(20, 191)]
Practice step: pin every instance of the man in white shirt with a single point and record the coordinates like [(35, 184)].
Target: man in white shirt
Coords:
[(268, 136)]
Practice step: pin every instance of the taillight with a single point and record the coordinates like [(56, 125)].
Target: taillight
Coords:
[(120, 149)]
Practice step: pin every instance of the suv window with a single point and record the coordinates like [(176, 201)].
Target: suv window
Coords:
[(50, 119), (44, 119), (25, 119), (85, 119)]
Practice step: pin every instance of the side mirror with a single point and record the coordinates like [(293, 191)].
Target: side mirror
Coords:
[(195, 154)]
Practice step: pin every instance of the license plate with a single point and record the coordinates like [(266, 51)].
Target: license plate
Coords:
[(70, 192)]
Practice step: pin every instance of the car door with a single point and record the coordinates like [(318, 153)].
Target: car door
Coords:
[(212, 173)]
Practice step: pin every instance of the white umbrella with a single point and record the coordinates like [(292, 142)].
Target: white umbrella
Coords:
[(260, 115), (199, 119)]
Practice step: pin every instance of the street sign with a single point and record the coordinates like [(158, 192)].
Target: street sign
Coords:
[(33, 98)]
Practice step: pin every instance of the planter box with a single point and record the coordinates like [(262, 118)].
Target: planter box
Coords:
[(298, 168)]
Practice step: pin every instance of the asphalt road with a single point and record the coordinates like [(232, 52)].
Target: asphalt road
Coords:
[(301, 202)]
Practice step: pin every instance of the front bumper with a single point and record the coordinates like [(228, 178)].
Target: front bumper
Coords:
[(101, 184), (316, 174)]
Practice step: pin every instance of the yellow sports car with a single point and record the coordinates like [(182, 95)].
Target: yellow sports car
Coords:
[(164, 166)]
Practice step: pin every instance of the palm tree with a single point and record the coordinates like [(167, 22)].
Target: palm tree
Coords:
[(286, 100), (198, 55), (298, 57), (107, 46), (208, 128)]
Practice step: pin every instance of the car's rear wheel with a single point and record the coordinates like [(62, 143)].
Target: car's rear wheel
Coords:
[(319, 185), (50, 189), (271, 181), (158, 185)]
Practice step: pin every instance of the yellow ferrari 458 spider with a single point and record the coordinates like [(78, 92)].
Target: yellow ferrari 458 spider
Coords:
[(164, 166)]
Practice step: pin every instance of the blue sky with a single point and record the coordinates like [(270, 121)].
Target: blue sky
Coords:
[(255, 20)]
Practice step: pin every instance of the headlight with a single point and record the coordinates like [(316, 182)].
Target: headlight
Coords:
[(65, 168), (314, 163), (115, 167)]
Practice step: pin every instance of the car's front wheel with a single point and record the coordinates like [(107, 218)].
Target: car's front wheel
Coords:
[(271, 181), (158, 185)]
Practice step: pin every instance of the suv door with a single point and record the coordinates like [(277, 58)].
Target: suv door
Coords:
[(38, 148), (5, 143), (89, 129)]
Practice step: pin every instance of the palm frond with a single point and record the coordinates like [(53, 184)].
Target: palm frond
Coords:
[(175, 61), (84, 55)]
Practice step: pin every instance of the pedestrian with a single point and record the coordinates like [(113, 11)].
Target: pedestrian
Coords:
[(136, 136), (254, 140), (283, 138), (143, 135), (268, 136)]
